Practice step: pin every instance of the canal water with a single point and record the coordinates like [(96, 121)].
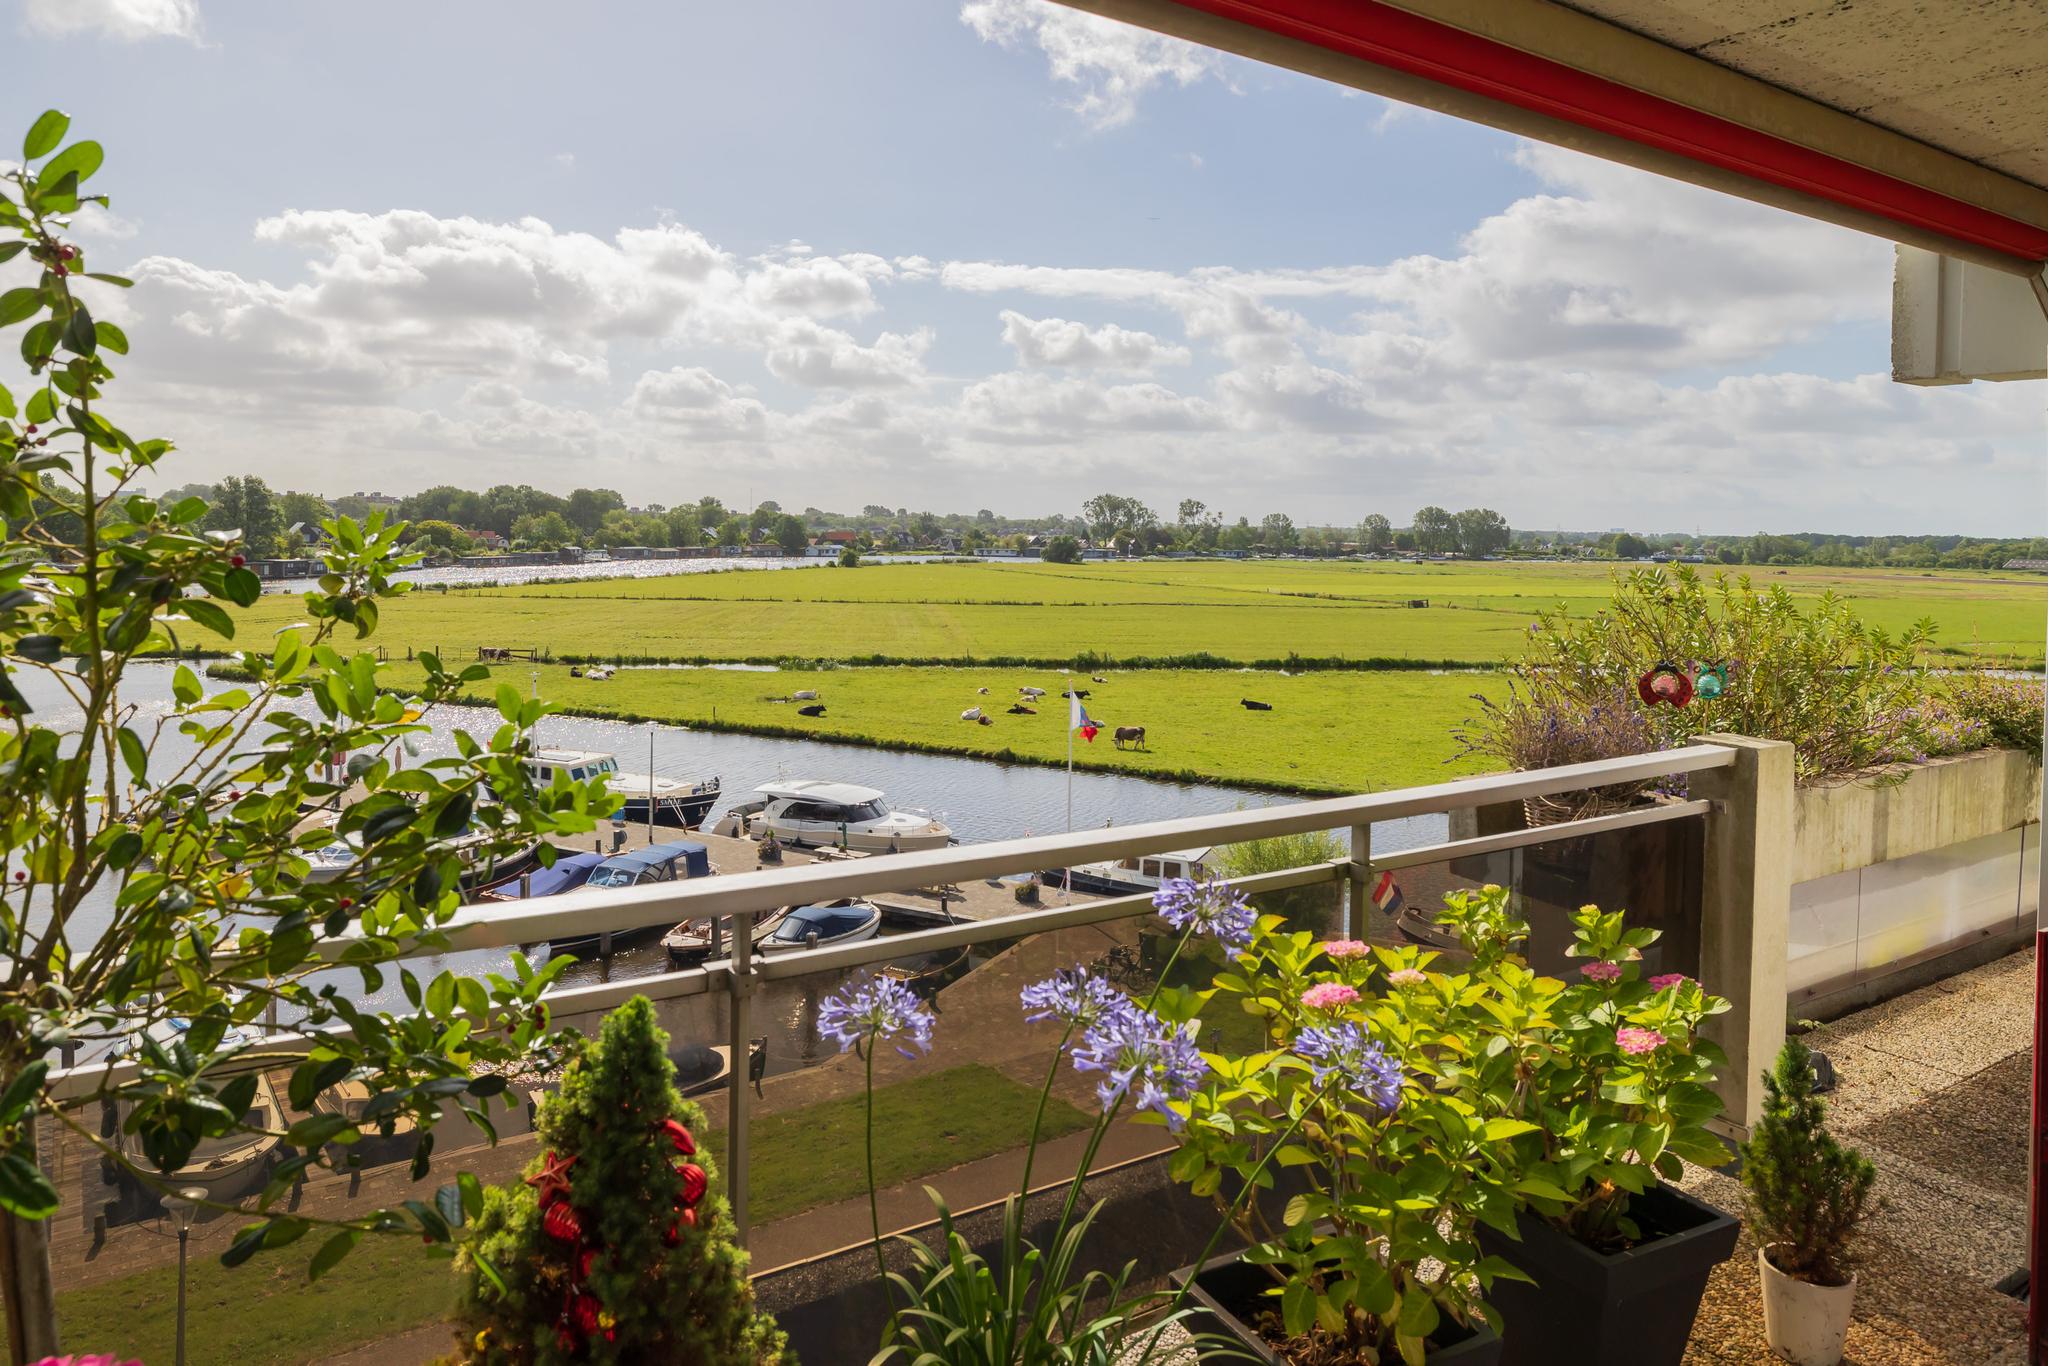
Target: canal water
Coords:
[(980, 799)]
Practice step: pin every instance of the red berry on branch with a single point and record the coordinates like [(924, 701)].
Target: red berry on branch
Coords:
[(20, 876), (346, 902), (30, 429), (237, 560), (66, 253), (58, 270)]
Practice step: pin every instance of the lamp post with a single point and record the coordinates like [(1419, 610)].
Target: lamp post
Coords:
[(182, 1204)]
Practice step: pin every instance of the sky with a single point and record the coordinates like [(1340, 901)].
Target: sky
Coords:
[(951, 255)]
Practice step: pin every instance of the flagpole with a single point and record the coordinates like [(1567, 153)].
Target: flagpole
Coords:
[(1067, 888)]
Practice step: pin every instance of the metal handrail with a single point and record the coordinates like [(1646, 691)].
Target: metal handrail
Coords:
[(635, 908)]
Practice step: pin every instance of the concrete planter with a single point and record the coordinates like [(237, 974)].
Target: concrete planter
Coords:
[(1805, 1323), (1227, 1292)]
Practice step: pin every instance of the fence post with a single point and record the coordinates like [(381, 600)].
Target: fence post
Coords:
[(738, 1101), (1746, 912), (1354, 889)]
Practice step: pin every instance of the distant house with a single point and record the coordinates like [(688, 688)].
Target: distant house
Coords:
[(835, 538), (488, 539), (2030, 566)]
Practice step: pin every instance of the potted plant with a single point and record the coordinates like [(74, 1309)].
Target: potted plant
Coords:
[(1537, 727), (1807, 1195), (1613, 1082), (1375, 1260)]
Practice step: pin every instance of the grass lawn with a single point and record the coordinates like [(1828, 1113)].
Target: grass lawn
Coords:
[(265, 1313), (1243, 612), (1334, 732)]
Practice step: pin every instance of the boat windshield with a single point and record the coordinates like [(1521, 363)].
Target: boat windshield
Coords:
[(611, 877), (338, 852), (867, 811)]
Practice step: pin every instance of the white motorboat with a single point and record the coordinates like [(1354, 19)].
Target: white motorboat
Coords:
[(337, 856), (1122, 877), (820, 927), (805, 811), (676, 802)]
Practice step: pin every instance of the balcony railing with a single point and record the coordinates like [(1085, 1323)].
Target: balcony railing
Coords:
[(739, 897)]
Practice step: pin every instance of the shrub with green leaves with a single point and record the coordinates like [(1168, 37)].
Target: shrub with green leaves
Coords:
[(1842, 693), (154, 867), (1807, 1193)]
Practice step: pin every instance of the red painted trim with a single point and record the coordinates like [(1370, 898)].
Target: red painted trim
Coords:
[(1406, 42)]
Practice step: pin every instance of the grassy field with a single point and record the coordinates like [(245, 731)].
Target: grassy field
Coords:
[(1240, 612), (1333, 732), (265, 1313)]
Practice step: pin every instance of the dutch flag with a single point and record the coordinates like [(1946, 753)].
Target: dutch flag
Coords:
[(1386, 894)]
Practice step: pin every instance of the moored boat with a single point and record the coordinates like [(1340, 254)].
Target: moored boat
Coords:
[(809, 813), (1132, 875), (671, 862), (674, 801), (695, 940), (822, 926)]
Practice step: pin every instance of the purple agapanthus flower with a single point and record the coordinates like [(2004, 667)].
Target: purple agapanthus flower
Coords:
[(1075, 998), (1138, 1052), (1356, 1059), (872, 1009), (1215, 909)]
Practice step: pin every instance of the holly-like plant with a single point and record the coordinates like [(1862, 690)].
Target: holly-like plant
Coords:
[(1608, 1071), (155, 902), (614, 1249)]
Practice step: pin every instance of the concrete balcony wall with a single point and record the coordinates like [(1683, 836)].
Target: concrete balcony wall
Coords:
[(1901, 882)]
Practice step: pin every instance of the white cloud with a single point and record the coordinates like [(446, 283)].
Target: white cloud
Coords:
[(825, 358), (693, 398), (1057, 342), (1113, 64), (126, 20)]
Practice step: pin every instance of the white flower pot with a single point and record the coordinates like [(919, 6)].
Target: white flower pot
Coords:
[(1803, 1322)]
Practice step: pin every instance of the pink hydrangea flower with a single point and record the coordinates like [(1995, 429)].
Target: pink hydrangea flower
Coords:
[(1634, 1040), (1601, 972), (1346, 948), (1328, 996), (1407, 977), (1669, 979)]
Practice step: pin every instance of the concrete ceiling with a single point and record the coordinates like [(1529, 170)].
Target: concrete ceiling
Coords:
[(1967, 76)]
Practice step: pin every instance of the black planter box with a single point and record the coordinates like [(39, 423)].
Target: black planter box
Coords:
[(1588, 1308), (1225, 1285)]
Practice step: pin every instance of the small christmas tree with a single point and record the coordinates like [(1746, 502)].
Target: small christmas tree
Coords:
[(1807, 1193), (612, 1251)]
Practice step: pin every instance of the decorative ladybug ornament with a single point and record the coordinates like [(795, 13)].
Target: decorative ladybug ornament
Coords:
[(1710, 681), (1665, 683)]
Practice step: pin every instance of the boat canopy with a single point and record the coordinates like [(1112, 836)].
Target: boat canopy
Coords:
[(695, 858), (827, 922), (567, 874), (833, 794)]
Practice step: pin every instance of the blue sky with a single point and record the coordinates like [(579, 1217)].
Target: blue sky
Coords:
[(927, 253)]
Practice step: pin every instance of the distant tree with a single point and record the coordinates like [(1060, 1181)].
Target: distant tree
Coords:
[(443, 503), (1062, 550), (302, 509), (1482, 531), (761, 521), (245, 503), (1436, 531), (975, 541), (544, 531), (877, 513), (683, 526), (1111, 515), (439, 534), (587, 507), (985, 517), (1628, 546), (1238, 538), (1404, 540), (1276, 531), (505, 504), (732, 531), (1375, 532), (791, 534), (849, 558), (1191, 510), (925, 527)]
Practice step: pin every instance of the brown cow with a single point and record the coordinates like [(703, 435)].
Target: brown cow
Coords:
[(1134, 734)]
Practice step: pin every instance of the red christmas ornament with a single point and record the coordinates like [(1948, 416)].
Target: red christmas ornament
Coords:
[(693, 1182), (561, 1222), (586, 1312), (1665, 683), (680, 1136), (565, 1338), (583, 1263), (553, 1177), (690, 1218), (672, 1235)]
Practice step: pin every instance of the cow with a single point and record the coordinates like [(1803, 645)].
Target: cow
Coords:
[(1250, 705), (972, 714), (1031, 694), (1134, 734), (815, 709), (1078, 692), (1021, 710), (807, 695)]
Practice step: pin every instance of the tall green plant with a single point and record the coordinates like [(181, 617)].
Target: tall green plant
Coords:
[(154, 869), (1843, 693), (1807, 1193)]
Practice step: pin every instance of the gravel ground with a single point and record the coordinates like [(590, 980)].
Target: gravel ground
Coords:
[(1934, 1089)]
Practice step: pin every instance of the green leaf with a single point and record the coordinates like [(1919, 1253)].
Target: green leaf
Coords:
[(441, 995), (22, 1090), (78, 333), (80, 159), (121, 280), (41, 407), (246, 1245), (17, 304), (472, 1194), (242, 587), (318, 1130), (111, 337), (209, 615), (10, 250), (44, 134), (331, 1252), (6, 402), (1298, 1306), (185, 685), (24, 1191), (134, 755)]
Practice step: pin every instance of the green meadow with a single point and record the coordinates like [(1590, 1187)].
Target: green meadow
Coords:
[(1238, 612)]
